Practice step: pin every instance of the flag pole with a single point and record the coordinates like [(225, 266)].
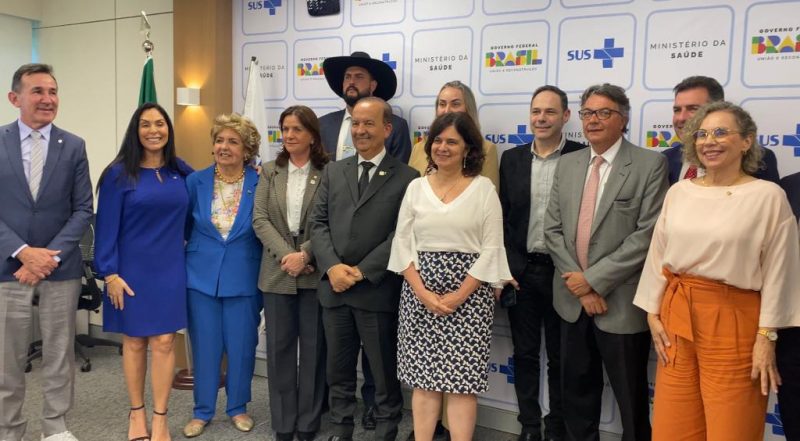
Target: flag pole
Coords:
[(147, 87)]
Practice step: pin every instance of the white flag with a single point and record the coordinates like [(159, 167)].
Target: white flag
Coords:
[(254, 109)]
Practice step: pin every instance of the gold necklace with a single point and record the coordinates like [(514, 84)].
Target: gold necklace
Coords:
[(227, 180), (441, 199), (738, 178)]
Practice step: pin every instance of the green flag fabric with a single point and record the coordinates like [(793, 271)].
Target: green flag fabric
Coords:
[(147, 89)]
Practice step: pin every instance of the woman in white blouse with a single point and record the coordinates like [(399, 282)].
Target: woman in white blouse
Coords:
[(449, 247), (721, 275), (289, 279)]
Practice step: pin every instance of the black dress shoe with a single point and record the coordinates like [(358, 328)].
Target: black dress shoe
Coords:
[(529, 436), (440, 433), (284, 436), (368, 420), (340, 438), (306, 436)]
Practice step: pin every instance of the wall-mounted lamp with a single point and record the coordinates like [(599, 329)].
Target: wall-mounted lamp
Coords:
[(187, 96)]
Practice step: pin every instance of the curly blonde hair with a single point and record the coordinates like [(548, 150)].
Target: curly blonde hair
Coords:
[(751, 161), (242, 125)]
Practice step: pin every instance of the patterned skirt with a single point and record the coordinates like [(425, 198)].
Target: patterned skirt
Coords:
[(448, 353)]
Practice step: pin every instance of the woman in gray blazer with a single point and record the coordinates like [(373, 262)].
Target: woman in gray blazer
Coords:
[(289, 279)]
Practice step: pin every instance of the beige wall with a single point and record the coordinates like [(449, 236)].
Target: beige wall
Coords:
[(16, 36), (95, 49)]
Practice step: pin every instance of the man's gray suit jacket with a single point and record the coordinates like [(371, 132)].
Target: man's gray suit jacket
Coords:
[(58, 218), (359, 231), (620, 236)]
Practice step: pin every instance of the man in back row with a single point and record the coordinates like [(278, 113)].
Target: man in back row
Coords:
[(691, 94)]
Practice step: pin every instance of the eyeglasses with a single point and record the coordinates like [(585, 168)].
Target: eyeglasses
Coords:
[(717, 133), (602, 114)]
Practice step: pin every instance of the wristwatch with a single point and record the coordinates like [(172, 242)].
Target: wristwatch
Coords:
[(769, 333)]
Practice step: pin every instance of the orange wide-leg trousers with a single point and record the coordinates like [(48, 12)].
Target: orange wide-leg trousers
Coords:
[(705, 392)]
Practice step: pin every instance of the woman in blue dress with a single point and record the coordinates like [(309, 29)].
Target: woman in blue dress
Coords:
[(139, 251)]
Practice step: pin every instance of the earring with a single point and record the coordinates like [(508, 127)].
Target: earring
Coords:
[(464, 165)]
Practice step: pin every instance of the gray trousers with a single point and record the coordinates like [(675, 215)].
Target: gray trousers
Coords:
[(58, 301), (296, 385)]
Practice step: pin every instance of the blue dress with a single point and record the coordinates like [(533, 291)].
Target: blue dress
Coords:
[(140, 236)]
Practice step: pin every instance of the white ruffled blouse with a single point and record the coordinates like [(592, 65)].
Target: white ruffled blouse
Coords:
[(471, 223)]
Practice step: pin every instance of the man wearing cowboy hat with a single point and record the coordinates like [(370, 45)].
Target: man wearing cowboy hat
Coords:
[(352, 78)]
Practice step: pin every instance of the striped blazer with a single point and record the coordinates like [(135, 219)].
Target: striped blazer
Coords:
[(271, 226)]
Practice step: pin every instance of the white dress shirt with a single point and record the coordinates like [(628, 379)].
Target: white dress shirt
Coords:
[(295, 190), (376, 161), (343, 150)]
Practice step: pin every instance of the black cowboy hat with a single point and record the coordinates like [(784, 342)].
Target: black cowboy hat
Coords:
[(335, 67)]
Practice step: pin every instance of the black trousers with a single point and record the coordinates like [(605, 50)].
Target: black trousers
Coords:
[(788, 353), (587, 350), (533, 313), (346, 328)]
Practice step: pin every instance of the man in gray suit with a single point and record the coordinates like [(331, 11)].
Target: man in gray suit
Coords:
[(46, 207), (604, 204), (352, 226)]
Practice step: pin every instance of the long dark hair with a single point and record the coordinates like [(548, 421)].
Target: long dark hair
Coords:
[(308, 119), (130, 152)]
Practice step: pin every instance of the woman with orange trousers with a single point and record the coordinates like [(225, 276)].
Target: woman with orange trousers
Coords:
[(721, 276)]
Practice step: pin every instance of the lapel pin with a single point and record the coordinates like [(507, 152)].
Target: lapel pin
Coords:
[(249, 191), (60, 141), (381, 173)]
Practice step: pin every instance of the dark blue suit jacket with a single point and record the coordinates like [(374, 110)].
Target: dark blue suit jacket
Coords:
[(214, 266), (398, 144), (791, 185), (675, 161), (60, 215)]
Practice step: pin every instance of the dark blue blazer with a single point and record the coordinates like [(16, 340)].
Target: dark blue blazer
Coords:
[(217, 267), (675, 161), (791, 185), (398, 144), (59, 216)]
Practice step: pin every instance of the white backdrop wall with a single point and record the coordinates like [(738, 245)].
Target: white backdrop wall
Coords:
[(504, 49)]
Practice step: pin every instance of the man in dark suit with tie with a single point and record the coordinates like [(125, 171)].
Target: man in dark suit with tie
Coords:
[(352, 226), (46, 202), (691, 94), (603, 208), (526, 175), (352, 78)]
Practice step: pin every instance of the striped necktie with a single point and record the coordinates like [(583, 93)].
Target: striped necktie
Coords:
[(37, 163)]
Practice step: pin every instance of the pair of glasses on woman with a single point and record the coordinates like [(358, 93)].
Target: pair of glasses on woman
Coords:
[(718, 133)]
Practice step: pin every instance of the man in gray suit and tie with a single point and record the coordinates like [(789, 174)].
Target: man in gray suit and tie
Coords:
[(46, 202), (352, 226), (604, 204)]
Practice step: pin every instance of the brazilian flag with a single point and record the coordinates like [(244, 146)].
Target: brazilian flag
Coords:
[(147, 89)]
